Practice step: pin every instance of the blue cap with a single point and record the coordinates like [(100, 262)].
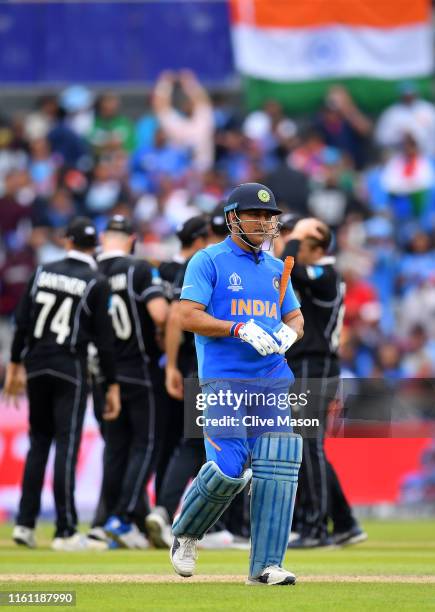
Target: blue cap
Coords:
[(252, 196)]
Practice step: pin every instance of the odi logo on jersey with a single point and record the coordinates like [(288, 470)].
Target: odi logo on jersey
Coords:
[(256, 308)]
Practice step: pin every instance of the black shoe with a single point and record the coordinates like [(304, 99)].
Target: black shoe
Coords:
[(355, 535), (307, 542)]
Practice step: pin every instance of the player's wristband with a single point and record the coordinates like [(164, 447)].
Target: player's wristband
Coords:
[(235, 328)]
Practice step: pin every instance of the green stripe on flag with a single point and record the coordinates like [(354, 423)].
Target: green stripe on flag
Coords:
[(372, 95)]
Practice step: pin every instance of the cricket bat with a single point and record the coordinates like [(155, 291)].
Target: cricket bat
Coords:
[(288, 267)]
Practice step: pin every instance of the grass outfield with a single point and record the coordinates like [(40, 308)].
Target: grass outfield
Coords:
[(396, 567)]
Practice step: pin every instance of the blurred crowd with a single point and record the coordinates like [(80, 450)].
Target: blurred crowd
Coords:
[(372, 179)]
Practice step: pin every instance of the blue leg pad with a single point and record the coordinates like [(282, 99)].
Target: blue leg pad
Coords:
[(208, 497), (276, 459)]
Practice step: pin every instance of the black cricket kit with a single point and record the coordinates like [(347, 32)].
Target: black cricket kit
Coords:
[(171, 414), (187, 352), (315, 363), (168, 271), (65, 307), (130, 450), (187, 233), (320, 291)]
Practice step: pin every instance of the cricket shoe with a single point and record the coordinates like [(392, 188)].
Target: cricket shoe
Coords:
[(183, 555), (216, 540), (97, 539), (97, 533), (25, 536), (274, 575), (240, 543), (355, 535), (159, 528), (127, 535), (306, 542), (74, 543)]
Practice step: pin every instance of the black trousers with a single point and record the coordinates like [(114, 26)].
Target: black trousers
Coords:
[(57, 403), (171, 420), (184, 464), (130, 452), (320, 496)]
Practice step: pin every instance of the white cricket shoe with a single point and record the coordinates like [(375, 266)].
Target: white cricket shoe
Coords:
[(24, 536), (133, 539), (217, 540), (159, 528), (74, 543), (126, 535), (294, 535), (97, 539), (183, 555), (273, 575), (97, 533)]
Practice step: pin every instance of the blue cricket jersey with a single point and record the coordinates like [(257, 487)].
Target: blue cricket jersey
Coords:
[(233, 287)]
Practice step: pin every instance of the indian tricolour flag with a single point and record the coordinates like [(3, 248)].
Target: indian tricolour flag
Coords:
[(293, 50)]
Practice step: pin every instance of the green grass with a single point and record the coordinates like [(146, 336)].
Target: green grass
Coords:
[(394, 548), (185, 597)]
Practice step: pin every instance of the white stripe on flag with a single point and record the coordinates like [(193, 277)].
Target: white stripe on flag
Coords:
[(304, 54)]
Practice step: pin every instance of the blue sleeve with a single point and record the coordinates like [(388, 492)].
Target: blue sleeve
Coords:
[(199, 280), (290, 301)]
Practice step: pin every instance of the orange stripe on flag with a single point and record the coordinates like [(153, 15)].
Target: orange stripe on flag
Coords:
[(317, 13)]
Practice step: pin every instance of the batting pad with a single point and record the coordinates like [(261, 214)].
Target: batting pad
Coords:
[(208, 497), (276, 459)]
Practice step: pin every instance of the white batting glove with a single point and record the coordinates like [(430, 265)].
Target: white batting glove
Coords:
[(257, 335), (286, 336)]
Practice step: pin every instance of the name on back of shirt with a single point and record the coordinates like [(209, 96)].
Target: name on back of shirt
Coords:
[(60, 282), (118, 282)]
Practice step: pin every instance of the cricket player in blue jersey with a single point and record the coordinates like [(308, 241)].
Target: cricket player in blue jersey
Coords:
[(230, 300)]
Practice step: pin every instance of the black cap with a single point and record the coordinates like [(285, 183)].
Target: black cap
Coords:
[(218, 222), (82, 232), (289, 220), (191, 229), (119, 223), (252, 196)]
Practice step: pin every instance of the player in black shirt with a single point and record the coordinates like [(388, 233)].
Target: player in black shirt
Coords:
[(193, 235), (192, 232), (315, 363), (65, 307), (138, 307), (180, 349)]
